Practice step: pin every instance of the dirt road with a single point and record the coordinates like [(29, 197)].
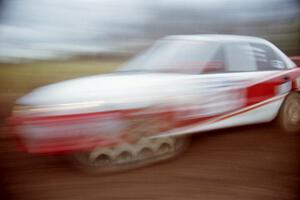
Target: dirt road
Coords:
[(242, 163)]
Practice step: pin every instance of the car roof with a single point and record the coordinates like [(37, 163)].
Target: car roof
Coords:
[(223, 38), (218, 38)]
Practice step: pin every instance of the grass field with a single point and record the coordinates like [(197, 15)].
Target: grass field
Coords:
[(20, 78)]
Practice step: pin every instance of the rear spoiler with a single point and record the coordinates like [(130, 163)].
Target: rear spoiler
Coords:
[(296, 59)]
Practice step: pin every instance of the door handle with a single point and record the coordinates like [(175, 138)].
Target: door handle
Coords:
[(286, 78)]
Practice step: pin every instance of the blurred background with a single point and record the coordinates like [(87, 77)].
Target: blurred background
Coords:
[(44, 41), (56, 29), (59, 39)]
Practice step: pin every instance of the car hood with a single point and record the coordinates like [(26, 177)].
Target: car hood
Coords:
[(116, 87)]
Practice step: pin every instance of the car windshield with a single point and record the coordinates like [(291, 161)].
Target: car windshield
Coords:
[(178, 56)]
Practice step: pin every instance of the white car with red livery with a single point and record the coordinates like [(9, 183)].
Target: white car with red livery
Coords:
[(181, 85)]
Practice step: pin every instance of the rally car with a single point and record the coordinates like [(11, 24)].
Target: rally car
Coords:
[(143, 112)]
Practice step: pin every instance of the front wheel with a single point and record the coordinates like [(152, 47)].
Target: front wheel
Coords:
[(128, 156), (289, 113)]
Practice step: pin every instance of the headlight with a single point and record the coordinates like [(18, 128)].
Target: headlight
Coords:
[(58, 109)]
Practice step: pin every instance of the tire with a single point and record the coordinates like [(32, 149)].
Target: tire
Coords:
[(131, 157), (288, 118)]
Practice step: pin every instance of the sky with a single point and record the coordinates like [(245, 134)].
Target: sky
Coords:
[(44, 29)]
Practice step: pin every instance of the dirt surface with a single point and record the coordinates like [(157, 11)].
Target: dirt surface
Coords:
[(243, 163)]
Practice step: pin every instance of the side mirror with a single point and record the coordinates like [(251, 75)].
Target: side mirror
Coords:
[(214, 66)]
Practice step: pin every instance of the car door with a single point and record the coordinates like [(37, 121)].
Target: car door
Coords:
[(263, 71), (277, 80)]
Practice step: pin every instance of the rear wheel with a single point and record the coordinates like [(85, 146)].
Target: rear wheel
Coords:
[(289, 114)]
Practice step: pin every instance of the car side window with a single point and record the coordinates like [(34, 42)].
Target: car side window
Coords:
[(239, 57), (266, 58)]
